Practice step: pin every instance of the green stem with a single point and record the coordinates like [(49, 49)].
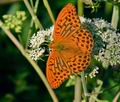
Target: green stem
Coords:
[(49, 10), (80, 8), (108, 9), (115, 16), (78, 93), (36, 5), (35, 66), (31, 2), (84, 85), (31, 24), (34, 17)]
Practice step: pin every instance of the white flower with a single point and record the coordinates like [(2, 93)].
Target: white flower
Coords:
[(82, 19), (106, 41), (94, 72), (37, 39), (51, 30), (42, 36), (37, 53)]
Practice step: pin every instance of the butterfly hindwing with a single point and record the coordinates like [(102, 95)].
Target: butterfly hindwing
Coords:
[(57, 70)]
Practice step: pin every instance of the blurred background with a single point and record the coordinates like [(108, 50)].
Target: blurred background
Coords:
[(18, 80)]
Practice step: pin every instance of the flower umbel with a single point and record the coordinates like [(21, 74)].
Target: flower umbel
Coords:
[(35, 43), (106, 41), (36, 53), (40, 37), (14, 22)]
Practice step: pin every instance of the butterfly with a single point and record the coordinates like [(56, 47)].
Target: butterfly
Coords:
[(71, 47)]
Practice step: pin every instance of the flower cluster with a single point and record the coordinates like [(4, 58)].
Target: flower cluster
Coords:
[(106, 42), (14, 22), (36, 41), (40, 37), (36, 53)]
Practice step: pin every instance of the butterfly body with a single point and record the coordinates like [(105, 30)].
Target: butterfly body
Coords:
[(70, 49)]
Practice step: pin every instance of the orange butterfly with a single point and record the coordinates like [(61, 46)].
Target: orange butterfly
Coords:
[(71, 47)]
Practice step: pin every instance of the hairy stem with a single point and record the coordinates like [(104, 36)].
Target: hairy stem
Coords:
[(35, 66), (49, 10)]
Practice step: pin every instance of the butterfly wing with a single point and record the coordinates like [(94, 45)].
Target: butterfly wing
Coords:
[(57, 70), (68, 29), (67, 23)]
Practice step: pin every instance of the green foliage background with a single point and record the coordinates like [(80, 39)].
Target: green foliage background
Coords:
[(18, 80)]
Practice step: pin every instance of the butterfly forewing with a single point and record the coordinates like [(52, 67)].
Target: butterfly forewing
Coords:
[(67, 23), (71, 47)]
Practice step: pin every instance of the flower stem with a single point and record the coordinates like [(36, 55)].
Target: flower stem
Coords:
[(49, 10), (107, 10), (35, 19), (35, 66), (115, 16), (78, 93), (84, 85), (80, 8), (31, 23)]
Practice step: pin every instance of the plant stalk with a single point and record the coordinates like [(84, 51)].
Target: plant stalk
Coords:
[(116, 97), (31, 23), (49, 10), (84, 85), (115, 16), (80, 8), (77, 97), (34, 17), (107, 10)]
